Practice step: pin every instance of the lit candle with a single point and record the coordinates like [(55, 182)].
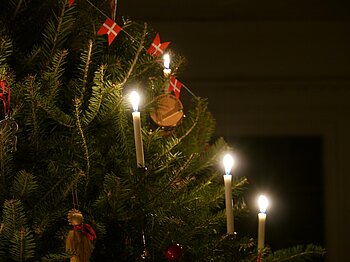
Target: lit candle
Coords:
[(135, 98), (166, 63), (263, 203), (228, 163)]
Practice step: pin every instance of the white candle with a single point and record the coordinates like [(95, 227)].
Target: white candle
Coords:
[(228, 200), (263, 203), (134, 97), (228, 163)]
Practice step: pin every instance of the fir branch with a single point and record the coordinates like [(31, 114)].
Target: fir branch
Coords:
[(180, 170), (31, 58), (34, 118), (123, 133), (56, 72), (22, 245), (14, 217), (110, 198), (7, 137), (20, 2), (96, 98), (5, 51), (207, 158), (138, 52), (24, 185), (58, 62), (57, 32), (56, 257), (58, 188), (55, 113), (50, 80), (78, 124), (18, 7), (87, 61), (297, 253), (177, 141), (5, 155)]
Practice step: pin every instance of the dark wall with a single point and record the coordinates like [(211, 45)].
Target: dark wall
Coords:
[(289, 171), (274, 69)]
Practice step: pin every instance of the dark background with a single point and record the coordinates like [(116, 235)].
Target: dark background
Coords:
[(277, 77), (289, 171)]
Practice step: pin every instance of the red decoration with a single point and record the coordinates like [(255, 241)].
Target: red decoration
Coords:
[(3, 98), (174, 252), (258, 259), (70, 3), (157, 48), (86, 230), (110, 28), (175, 86)]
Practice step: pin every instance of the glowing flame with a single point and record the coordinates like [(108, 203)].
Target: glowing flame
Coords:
[(263, 203), (166, 59), (228, 163), (134, 99)]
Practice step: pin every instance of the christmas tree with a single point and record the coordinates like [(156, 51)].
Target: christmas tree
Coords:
[(67, 146)]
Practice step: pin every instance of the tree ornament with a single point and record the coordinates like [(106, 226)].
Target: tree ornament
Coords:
[(109, 28), (145, 254), (175, 86), (8, 123), (157, 48), (167, 112), (174, 252), (80, 237)]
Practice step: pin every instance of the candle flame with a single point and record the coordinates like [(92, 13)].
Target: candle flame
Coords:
[(228, 163), (134, 99), (263, 203)]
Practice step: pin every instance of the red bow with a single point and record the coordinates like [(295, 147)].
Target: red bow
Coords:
[(86, 230)]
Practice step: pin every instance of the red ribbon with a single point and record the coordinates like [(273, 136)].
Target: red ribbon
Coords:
[(86, 230), (3, 98)]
